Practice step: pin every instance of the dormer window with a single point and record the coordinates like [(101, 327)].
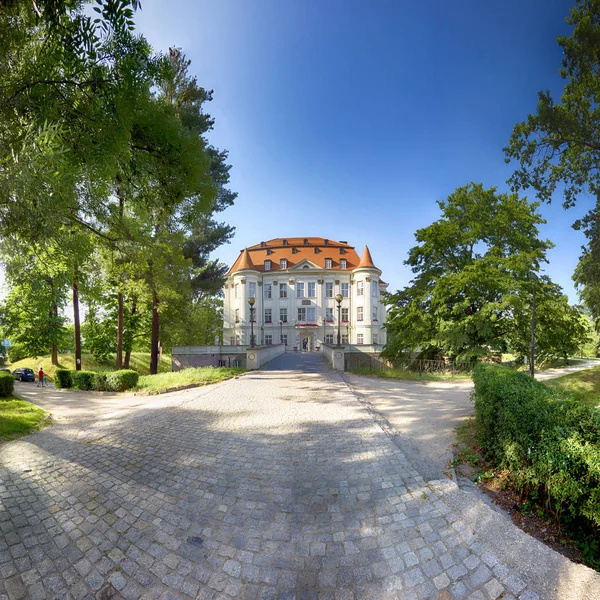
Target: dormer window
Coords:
[(343, 263), (294, 250), (305, 241), (283, 263), (317, 251), (342, 251), (328, 263), (268, 251), (263, 244), (267, 265), (285, 242), (326, 242)]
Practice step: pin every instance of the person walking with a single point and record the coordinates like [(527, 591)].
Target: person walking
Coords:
[(41, 376)]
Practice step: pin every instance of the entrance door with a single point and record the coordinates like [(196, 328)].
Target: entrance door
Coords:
[(308, 343)]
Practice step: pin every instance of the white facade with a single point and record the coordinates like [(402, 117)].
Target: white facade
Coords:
[(296, 305)]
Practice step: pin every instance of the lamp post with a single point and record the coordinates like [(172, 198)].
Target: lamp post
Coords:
[(339, 299), (251, 302), (281, 331), (532, 361)]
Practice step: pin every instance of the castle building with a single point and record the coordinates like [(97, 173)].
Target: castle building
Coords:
[(294, 283)]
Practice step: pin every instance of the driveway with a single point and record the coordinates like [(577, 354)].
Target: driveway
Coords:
[(277, 484)]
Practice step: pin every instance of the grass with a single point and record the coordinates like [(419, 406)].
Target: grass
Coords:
[(410, 375), (583, 385), (140, 361), (18, 418), (164, 381)]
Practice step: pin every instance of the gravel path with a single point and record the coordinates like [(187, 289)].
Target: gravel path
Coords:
[(277, 484)]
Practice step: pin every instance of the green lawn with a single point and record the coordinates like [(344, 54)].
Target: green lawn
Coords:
[(163, 381), (140, 361), (18, 418), (410, 375), (583, 385)]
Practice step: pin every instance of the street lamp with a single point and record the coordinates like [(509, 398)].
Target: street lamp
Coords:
[(281, 331), (339, 299), (532, 361), (251, 302)]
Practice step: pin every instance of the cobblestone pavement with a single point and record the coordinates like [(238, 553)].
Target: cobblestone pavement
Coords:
[(273, 485)]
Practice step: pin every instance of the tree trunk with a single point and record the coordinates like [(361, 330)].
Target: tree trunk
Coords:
[(54, 344), (128, 351), (155, 341), (119, 331), (76, 323)]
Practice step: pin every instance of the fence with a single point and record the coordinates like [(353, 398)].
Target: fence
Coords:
[(373, 364)]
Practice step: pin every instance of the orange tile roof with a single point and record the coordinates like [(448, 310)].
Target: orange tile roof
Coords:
[(366, 260), (275, 250)]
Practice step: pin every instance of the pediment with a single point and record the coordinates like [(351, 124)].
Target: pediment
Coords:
[(304, 265)]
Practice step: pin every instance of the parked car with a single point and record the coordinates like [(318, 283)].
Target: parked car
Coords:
[(24, 374), (5, 370)]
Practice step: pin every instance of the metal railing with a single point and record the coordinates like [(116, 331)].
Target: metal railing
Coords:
[(373, 364)]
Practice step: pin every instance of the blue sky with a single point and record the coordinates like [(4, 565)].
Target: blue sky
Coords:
[(349, 119)]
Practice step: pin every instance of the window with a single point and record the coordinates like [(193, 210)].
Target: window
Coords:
[(283, 290), (268, 315), (359, 313), (283, 263), (267, 265), (374, 288), (267, 290), (342, 251), (329, 314), (360, 338), (237, 290), (312, 293), (232, 340), (343, 263), (237, 315), (268, 340), (360, 288), (283, 315), (374, 313), (285, 242), (294, 250), (329, 338), (263, 244), (236, 362), (305, 241), (299, 290), (345, 315), (284, 339), (375, 338), (329, 290), (237, 340), (345, 288), (311, 315), (317, 251), (252, 290), (301, 314), (222, 363), (328, 263), (345, 339)]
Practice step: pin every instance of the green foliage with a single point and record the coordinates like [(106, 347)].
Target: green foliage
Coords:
[(100, 382), (471, 295), (163, 381), (17, 352), (18, 417), (119, 381), (7, 384), (63, 378), (550, 445), (84, 380)]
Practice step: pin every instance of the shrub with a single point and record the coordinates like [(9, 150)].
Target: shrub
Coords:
[(99, 381), (83, 379), (549, 443), (7, 384), (119, 381), (16, 352), (63, 378)]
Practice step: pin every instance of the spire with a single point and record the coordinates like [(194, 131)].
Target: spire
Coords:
[(366, 260), (245, 261)]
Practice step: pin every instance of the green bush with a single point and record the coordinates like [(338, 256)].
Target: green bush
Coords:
[(99, 381), (16, 352), (83, 379), (550, 444), (119, 381), (7, 384), (63, 378)]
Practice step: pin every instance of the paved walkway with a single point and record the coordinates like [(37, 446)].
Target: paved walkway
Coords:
[(277, 484)]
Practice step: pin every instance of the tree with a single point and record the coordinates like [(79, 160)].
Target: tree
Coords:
[(472, 267)]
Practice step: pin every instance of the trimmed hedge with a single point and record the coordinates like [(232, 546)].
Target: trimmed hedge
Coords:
[(83, 379), (100, 381), (549, 443), (7, 384), (63, 378)]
